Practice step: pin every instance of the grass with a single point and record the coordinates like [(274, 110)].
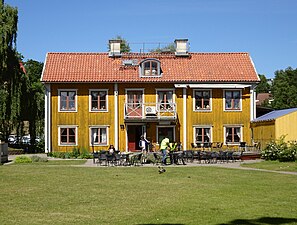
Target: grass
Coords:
[(273, 165), (59, 193)]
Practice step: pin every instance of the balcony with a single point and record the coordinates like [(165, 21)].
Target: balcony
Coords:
[(150, 112)]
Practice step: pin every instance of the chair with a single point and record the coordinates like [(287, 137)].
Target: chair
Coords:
[(214, 157), (229, 156), (189, 155), (117, 159), (136, 159), (110, 159), (222, 156), (95, 156), (157, 158), (102, 158), (197, 155), (242, 146)]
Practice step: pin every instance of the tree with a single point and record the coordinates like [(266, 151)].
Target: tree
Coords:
[(124, 44), (284, 89), (263, 86), (33, 99), (10, 73), (168, 48)]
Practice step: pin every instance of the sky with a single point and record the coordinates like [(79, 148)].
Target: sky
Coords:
[(266, 29)]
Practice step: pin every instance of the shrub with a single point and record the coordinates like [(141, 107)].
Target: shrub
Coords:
[(85, 154), (280, 150), (75, 152), (271, 151), (23, 159)]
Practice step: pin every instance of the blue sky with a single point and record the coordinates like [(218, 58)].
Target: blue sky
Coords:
[(264, 28)]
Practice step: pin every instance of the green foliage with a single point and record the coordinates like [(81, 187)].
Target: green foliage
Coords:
[(23, 159), (77, 153), (280, 150), (263, 86), (284, 89)]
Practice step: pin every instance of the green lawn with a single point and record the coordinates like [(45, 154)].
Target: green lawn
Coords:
[(274, 165), (58, 193)]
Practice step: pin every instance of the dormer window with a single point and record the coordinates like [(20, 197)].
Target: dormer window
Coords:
[(150, 68)]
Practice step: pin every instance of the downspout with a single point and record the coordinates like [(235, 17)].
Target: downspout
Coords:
[(116, 117), (185, 118), (47, 122)]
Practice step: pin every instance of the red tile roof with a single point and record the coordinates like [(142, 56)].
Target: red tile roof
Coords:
[(198, 67)]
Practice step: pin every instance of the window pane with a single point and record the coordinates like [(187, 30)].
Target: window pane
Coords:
[(103, 136), (71, 95)]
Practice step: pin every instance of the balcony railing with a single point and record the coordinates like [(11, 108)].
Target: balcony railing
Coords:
[(150, 111)]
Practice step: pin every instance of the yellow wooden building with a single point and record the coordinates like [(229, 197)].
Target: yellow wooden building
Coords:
[(97, 99), (272, 126)]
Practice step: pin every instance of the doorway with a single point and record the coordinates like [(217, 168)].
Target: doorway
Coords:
[(134, 132)]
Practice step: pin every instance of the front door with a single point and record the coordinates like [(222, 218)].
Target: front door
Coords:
[(134, 133)]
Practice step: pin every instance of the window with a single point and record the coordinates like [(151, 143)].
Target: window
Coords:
[(98, 100), (98, 136), (233, 134), (67, 100), (202, 135), (150, 67), (165, 100), (202, 100), (67, 135), (232, 99)]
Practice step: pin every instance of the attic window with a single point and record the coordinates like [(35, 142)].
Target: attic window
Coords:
[(150, 68)]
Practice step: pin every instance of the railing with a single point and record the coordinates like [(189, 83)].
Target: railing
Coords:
[(150, 111)]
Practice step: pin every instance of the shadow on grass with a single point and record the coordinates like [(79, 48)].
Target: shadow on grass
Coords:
[(262, 220)]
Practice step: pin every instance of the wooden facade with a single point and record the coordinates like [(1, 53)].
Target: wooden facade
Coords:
[(94, 100), (274, 125)]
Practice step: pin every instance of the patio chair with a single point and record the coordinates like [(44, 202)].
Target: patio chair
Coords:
[(222, 156), (189, 155), (136, 159), (117, 159), (229, 156), (102, 158), (157, 158)]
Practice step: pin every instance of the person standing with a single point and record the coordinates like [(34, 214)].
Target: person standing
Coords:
[(163, 147), (143, 144)]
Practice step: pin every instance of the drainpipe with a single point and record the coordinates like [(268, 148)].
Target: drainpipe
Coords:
[(116, 117), (47, 122)]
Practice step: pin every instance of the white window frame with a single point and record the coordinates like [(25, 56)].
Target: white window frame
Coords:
[(141, 68), (240, 101), (90, 101), (165, 89), (233, 126), (59, 134), (59, 100), (202, 126), (91, 137), (210, 101)]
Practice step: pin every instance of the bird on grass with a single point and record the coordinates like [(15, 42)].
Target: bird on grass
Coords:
[(161, 170)]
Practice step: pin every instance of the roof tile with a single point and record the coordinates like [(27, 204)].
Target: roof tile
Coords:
[(198, 67)]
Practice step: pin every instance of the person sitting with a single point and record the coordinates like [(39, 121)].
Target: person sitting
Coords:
[(111, 149)]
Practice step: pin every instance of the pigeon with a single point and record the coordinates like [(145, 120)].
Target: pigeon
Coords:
[(161, 170)]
